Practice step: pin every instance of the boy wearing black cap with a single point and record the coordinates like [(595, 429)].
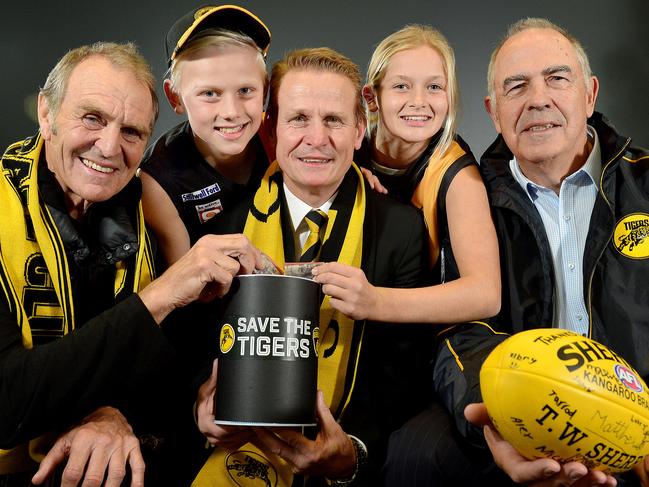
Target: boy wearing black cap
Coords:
[(207, 164), (202, 168)]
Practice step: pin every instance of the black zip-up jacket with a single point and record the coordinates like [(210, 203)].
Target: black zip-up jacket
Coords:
[(616, 268), (616, 255)]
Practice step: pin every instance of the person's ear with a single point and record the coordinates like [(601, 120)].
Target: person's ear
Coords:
[(269, 129), (173, 98), (370, 98), (361, 125), (592, 88), (490, 106), (270, 126), (45, 122)]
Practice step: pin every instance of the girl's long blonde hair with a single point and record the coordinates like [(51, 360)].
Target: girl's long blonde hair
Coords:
[(411, 37)]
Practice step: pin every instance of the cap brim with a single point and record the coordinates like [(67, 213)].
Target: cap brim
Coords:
[(229, 17)]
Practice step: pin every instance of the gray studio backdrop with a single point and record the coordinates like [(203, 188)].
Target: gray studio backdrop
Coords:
[(34, 35)]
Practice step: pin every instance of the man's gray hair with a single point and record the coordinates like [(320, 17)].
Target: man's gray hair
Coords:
[(537, 23), (124, 56)]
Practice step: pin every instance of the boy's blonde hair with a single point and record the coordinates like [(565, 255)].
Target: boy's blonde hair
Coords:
[(411, 37), (220, 39)]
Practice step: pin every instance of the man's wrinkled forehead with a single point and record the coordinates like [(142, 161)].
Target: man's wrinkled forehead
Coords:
[(306, 84), (98, 85), (314, 74), (306, 92), (534, 51)]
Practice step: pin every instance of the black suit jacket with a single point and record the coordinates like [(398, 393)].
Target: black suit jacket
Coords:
[(392, 381), (394, 358)]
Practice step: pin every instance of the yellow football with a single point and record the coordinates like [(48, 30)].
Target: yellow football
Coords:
[(554, 393)]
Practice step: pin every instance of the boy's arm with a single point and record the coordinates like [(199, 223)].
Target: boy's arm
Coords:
[(163, 218)]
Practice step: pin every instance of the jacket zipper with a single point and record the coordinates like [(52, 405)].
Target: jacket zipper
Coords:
[(592, 274)]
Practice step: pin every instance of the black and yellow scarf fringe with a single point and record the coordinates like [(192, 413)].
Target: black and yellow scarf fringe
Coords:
[(27, 232), (340, 336)]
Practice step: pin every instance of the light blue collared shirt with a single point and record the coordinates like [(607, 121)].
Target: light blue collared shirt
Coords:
[(566, 218)]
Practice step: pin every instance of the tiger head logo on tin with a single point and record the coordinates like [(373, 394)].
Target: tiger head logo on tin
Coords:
[(226, 340)]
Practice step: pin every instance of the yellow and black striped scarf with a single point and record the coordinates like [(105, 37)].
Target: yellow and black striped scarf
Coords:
[(340, 336), (29, 237)]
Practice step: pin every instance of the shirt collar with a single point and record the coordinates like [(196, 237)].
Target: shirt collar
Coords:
[(593, 165), (298, 208), (592, 168)]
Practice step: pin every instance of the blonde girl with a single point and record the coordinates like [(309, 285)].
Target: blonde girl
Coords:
[(412, 148)]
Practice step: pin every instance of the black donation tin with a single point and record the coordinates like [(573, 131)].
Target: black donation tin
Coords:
[(268, 364)]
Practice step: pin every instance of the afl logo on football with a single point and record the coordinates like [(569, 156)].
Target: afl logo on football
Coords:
[(628, 378), (226, 340), (631, 236)]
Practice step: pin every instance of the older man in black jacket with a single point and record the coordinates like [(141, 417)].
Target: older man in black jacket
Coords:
[(80, 341), (570, 202)]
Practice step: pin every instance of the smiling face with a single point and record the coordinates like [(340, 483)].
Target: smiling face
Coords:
[(316, 132), (542, 100), (222, 91), (411, 99), (94, 144)]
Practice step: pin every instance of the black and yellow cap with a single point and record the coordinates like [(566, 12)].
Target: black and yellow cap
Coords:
[(228, 17)]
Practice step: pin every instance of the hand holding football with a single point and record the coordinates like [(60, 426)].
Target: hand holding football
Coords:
[(553, 393)]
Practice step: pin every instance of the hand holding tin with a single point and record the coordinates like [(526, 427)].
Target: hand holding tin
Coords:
[(331, 454), (227, 437), (203, 273)]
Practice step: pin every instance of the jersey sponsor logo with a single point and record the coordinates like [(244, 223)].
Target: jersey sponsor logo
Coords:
[(250, 469), (201, 193), (209, 210), (630, 236), (226, 340), (628, 378)]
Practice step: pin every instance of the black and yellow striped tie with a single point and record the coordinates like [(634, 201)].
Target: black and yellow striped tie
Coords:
[(316, 221)]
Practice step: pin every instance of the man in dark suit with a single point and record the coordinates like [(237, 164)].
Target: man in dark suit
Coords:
[(312, 205)]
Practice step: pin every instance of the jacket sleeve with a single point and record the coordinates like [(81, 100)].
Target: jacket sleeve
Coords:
[(456, 373), (104, 362)]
